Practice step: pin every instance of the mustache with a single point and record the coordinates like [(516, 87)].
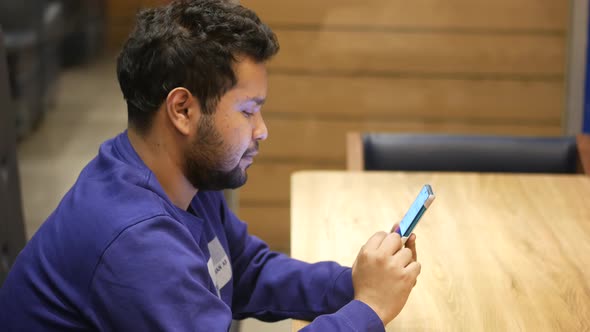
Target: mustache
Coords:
[(252, 150)]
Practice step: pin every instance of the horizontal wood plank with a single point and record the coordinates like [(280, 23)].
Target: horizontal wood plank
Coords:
[(312, 140), (270, 223), (269, 182), (420, 53), (395, 98), (481, 14), (123, 11), (121, 8)]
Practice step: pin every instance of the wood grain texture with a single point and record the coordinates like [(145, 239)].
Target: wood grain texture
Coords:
[(441, 14), (498, 252), (323, 140), (355, 152), (124, 10), (120, 15), (269, 182), (121, 9), (270, 223), (443, 53), (583, 143), (368, 97)]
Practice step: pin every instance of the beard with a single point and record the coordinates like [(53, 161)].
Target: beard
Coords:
[(204, 160)]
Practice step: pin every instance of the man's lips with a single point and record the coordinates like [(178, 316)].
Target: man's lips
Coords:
[(250, 155), (249, 158)]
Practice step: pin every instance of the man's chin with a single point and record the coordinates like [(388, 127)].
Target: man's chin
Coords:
[(220, 181), (235, 185), (235, 181)]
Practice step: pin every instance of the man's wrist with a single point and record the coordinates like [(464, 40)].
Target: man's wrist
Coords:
[(372, 319), (378, 312)]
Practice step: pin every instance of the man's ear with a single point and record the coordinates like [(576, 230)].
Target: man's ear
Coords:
[(182, 109)]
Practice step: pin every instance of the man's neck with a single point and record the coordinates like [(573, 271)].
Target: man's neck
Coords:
[(161, 157)]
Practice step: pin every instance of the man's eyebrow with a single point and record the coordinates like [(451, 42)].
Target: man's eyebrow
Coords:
[(258, 100)]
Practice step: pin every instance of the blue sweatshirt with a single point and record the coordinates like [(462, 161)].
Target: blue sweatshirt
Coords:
[(117, 255)]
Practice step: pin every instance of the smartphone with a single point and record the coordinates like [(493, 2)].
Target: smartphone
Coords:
[(416, 211)]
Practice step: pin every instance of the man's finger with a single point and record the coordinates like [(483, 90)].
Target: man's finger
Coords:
[(391, 244), (403, 257), (375, 241), (395, 228), (411, 244), (414, 269)]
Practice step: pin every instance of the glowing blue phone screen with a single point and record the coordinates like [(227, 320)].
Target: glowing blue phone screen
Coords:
[(414, 213)]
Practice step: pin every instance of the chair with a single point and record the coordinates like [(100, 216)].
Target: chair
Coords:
[(84, 29), (12, 231), (32, 35), (464, 153)]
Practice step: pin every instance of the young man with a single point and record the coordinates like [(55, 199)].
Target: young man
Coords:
[(144, 240)]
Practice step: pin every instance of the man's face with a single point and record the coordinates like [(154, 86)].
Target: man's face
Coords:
[(227, 141)]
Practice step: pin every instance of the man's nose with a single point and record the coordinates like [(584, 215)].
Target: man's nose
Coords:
[(260, 131)]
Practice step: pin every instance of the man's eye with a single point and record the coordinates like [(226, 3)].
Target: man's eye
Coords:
[(247, 114)]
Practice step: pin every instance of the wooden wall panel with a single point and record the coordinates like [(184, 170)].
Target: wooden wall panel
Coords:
[(264, 174), (366, 97), (270, 223), (117, 10), (427, 53), (121, 19), (418, 14), (122, 12), (323, 141)]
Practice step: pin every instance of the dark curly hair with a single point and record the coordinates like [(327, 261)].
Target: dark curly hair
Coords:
[(188, 43)]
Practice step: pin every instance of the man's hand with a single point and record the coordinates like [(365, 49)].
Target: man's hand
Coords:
[(384, 273)]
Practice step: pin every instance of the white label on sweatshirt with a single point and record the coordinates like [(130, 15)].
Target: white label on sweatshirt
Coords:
[(219, 265)]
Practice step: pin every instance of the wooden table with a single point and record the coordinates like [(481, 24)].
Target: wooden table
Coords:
[(498, 252)]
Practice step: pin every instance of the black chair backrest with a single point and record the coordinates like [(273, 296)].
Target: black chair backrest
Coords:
[(469, 153)]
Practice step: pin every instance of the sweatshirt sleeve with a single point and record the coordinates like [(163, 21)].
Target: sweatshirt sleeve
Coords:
[(356, 316), (271, 286), (154, 277)]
